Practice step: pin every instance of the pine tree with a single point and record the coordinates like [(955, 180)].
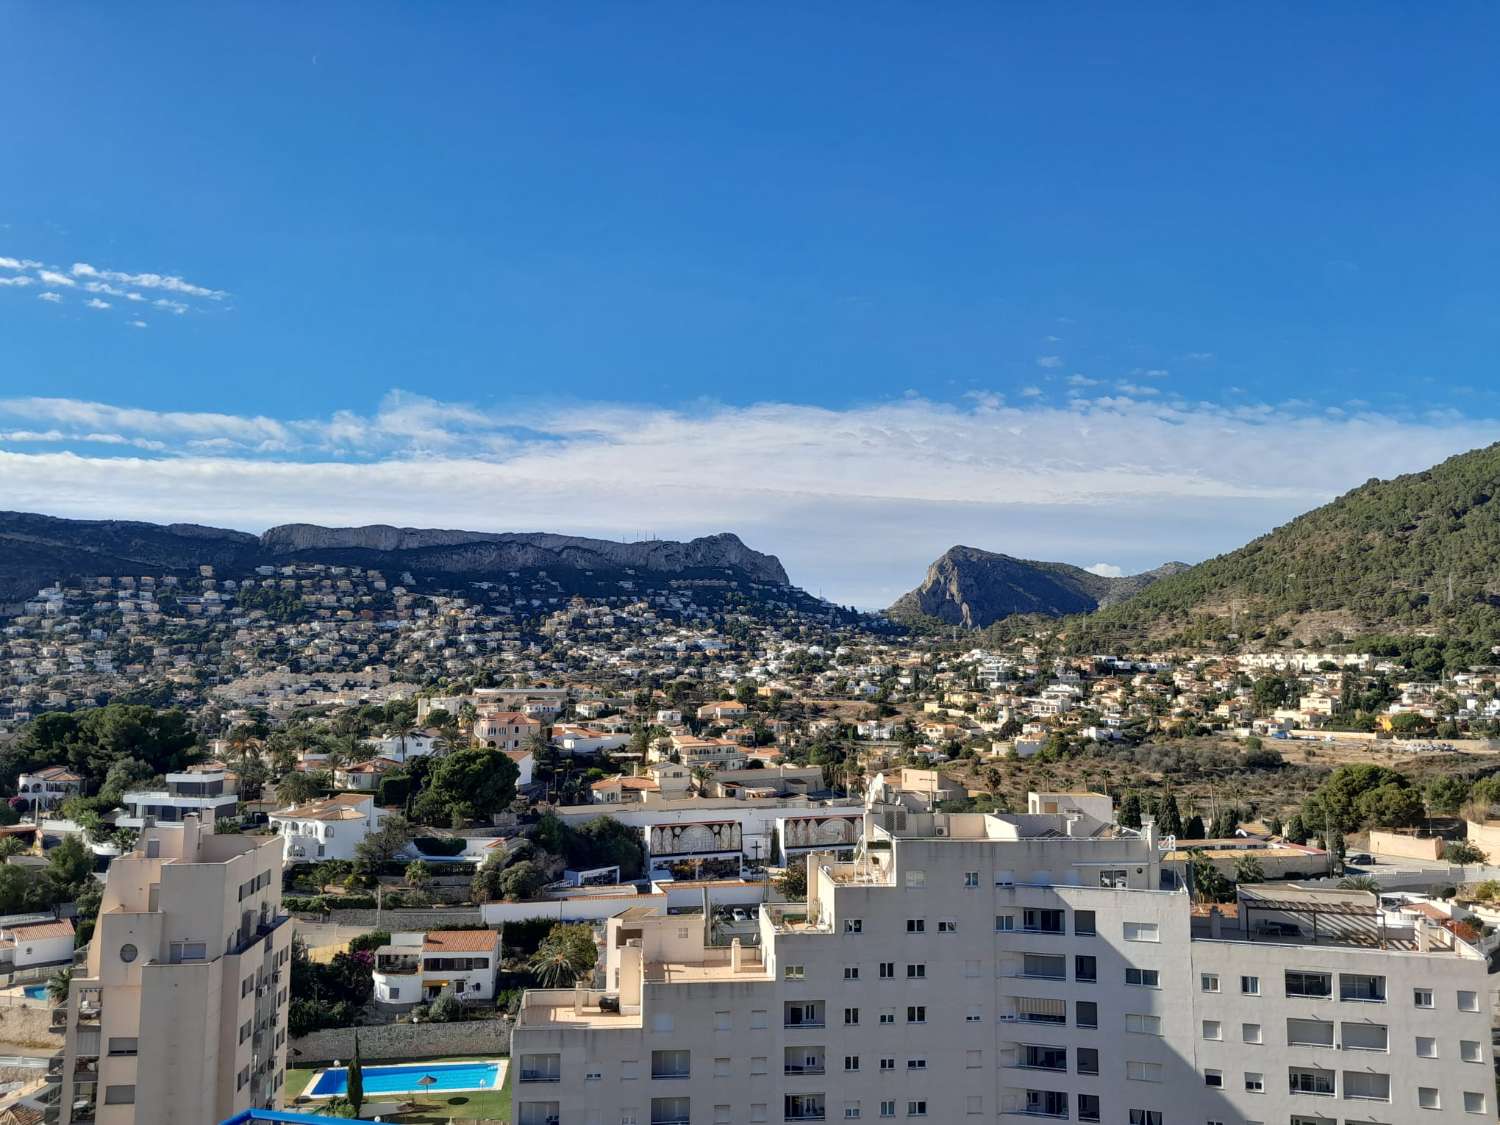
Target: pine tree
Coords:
[(1129, 814), (1171, 815)]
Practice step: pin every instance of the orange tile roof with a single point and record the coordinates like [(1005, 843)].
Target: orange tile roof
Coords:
[(460, 941), (36, 931)]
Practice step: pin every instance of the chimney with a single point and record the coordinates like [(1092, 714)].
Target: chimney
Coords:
[(1215, 922)]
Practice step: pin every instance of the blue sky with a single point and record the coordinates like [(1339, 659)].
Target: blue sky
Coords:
[(966, 273)]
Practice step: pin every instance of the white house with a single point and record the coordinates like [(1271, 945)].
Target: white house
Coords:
[(25, 945), (415, 744), (330, 828), (416, 968), (207, 793), (364, 776), (586, 740), (48, 787)]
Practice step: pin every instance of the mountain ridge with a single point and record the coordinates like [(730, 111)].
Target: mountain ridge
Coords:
[(974, 588), (36, 549)]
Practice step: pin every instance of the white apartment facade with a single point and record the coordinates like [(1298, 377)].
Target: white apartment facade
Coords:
[(179, 1016), (969, 967)]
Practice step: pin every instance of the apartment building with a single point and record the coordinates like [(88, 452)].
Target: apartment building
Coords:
[(967, 967), (179, 1015)]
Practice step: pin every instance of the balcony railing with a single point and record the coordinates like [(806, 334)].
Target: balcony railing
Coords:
[(671, 1075), (806, 1115), (793, 1025), (803, 1068), (543, 1076)]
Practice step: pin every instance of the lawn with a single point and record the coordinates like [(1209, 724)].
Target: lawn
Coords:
[(487, 1106)]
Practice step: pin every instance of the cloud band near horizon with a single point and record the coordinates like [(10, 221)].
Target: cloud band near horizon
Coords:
[(855, 502)]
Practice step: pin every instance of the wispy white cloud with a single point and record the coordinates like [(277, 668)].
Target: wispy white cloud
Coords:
[(1106, 570), (52, 277), (148, 281), (1049, 361), (1077, 380), (19, 281), (1137, 482), (138, 324), (96, 303), (17, 263), (54, 298)]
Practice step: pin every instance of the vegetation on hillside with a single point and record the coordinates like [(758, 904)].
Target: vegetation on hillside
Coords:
[(1416, 553)]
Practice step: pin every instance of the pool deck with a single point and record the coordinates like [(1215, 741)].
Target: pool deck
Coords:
[(418, 1069)]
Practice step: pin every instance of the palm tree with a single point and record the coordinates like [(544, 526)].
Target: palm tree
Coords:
[(1359, 883), (57, 986)]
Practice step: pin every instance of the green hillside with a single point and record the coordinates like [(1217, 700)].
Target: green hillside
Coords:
[(1416, 554)]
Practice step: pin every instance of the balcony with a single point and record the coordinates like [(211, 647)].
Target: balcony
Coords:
[(546, 1076), (800, 1070), (667, 1075)]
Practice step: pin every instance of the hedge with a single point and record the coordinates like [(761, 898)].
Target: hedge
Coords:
[(318, 904)]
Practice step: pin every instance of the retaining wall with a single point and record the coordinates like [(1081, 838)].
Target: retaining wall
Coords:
[(401, 1041)]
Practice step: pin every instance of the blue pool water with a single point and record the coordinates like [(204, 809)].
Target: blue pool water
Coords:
[(36, 992), (404, 1079)]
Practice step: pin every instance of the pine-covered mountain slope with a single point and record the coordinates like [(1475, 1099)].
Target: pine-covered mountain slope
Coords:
[(1418, 553), (975, 588)]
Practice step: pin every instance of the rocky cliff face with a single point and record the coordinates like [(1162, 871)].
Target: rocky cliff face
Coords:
[(975, 588), (36, 550)]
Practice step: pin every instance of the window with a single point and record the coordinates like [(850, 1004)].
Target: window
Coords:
[(916, 925), (1088, 1060), (1044, 1058), (851, 1016), (1473, 1102), (1143, 978), (1427, 1098), (1255, 1082), (758, 1065), (722, 1114), (1250, 986), (916, 1108), (887, 970), (1114, 877), (887, 1064), (1362, 987), (1208, 982), (1366, 1085), (888, 1109), (631, 1068), (722, 1068), (757, 1111), (1309, 1033), (119, 1095), (1088, 1107), (1308, 984), (916, 1064), (851, 1062), (1005, 923), (1468, 1050), (123, 1045), (1361, 1036), (974, 1014), (794, 972), (851, 972), (1213, 1029), (854, 925), (1046, 1103), (1214, 1078), (1037, 921), (916, 972), (180, 951), (1142, 1024), (1422, 997), (1086, 1013), (974, 1103), (947, 926), (887, 1015), (851, 1110), (1468, 1001), (916, 1013), (1143, 1071), (1250, 1033), (1306, 1080), (1083, 923), (671, 1064), (1426, 1047), (1046, 966), (1141, 931), (1085, 968), (971, 878)]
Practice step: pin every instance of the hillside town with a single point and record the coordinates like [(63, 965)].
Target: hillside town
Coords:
[(456, 823)]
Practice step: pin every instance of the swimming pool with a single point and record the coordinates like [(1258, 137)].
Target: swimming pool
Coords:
[(406, 1079), (36, 992)]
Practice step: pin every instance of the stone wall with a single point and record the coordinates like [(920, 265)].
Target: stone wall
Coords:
[(24, 1029), (401, 1041), (1383, 842)]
